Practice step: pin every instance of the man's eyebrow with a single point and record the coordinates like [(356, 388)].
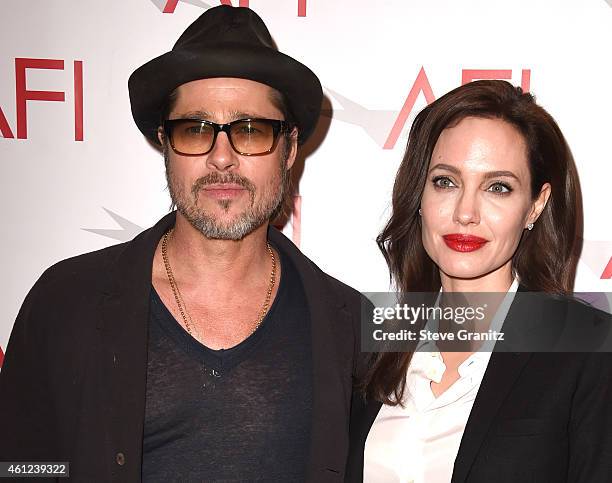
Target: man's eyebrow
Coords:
[(208, 116), (243, 115), (195, 115), (487, 175)]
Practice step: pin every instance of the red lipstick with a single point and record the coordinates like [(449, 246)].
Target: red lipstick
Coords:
[(464, 243)]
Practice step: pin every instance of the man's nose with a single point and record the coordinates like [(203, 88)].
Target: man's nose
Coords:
[(222, 156)]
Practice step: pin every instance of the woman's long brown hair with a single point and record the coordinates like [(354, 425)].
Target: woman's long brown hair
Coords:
[(546, 257)]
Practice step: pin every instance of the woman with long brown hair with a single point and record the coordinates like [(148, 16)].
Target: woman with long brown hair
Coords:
[(486, 199)]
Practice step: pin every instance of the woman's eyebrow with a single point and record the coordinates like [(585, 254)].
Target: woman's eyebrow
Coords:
[(487, 175), (446, 167), (498, 174)]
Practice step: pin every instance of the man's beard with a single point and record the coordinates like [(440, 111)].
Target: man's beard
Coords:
[(252, 217)]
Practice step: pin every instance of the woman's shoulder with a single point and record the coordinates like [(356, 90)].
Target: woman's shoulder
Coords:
[(576, 309), (577, 326), (579, 309)]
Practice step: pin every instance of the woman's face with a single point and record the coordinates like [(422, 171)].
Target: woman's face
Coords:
[(477, 199)]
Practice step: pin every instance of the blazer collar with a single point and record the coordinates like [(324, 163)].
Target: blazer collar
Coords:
[(132, 269), (331, 388), (538, 315), (501, 374), (123, 328)]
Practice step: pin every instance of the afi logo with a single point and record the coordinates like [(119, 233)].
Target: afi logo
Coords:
[(23, 95), (168, 6), (607, 273), (421, 84), (385, 126)]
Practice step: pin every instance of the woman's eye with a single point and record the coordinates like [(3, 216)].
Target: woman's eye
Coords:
[(499, 188), (443, 182)]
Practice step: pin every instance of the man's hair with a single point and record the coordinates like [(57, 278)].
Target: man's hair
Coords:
[(277, 99)]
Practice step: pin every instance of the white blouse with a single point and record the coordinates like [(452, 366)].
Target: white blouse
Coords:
[(419, 442)]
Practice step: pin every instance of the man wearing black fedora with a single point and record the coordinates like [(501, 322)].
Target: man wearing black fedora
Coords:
[(207, 348)]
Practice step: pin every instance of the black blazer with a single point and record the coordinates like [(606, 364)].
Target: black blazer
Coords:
[(73, 382), (537, 417)]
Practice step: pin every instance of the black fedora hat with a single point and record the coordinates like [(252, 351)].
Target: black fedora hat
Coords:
[(224, 42)]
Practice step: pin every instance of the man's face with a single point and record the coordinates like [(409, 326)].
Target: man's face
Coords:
[(223, 194)]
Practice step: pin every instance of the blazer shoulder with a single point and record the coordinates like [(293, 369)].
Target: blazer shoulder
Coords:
[(577, 310), (585, 328), (64, 297), (580, 311), (88, 268), (347, 292), (353, 300)]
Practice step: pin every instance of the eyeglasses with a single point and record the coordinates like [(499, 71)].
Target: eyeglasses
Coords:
[(249, 137)]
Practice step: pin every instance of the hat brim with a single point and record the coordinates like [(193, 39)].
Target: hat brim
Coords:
[(151, 84)]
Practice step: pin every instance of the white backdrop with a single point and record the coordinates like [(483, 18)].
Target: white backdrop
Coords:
[(71, 186)]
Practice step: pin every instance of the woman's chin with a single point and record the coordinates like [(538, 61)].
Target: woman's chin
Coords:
[(462, 272)]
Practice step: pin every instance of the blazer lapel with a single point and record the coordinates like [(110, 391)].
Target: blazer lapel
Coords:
[(330, 321), (123, 327), (502, 372)]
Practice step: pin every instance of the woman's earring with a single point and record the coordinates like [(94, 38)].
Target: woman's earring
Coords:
[(530, 226), (420, 212)]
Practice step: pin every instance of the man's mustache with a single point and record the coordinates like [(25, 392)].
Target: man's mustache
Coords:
[(217, 178)]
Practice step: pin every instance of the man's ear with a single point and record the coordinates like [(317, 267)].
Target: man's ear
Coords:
[(161, 135), (293, 140)]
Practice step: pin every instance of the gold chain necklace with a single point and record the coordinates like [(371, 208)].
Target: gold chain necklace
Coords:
[(179, 298)]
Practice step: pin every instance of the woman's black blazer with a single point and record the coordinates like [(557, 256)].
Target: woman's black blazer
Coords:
[(538, 417)]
